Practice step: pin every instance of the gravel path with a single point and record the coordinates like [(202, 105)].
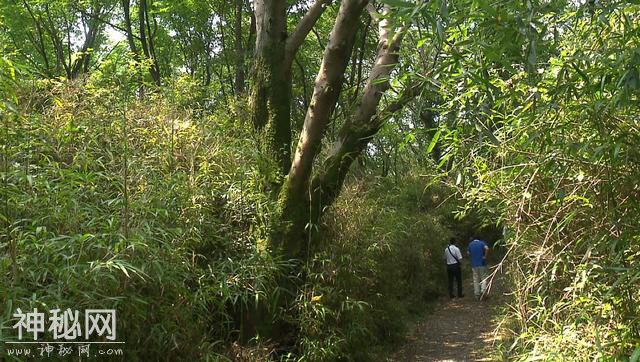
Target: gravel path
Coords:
[(459, 329)]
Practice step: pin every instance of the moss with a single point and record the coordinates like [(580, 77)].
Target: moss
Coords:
[(271, 107), (288, 229)]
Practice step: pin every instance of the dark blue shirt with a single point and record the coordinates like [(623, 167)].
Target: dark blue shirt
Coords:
[(476, 252)]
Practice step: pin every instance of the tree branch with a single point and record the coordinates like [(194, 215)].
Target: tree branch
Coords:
[(373, 12), (106, 22), (302, 30), (355, 134)]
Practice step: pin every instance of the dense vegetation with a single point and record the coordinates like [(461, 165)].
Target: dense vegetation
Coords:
[(183, 271), (150, 165)]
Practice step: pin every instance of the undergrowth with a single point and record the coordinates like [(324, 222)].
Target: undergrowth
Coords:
[(157, 207)]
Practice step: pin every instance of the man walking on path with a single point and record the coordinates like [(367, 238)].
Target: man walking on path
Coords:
[(453, 256), (478, 251)]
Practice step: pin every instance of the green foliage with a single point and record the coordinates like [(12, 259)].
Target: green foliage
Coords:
[(162, 205), (135, 205), (547, 144), (377, 266)]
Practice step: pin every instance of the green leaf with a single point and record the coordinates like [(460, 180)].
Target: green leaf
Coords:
[(398, 3), (434, 141), (582, 74), (444, 9), (440, 30), (481, 127), (10, 106), (635, 357), (532, 59)]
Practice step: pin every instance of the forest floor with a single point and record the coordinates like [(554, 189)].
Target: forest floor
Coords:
[(458, 329)]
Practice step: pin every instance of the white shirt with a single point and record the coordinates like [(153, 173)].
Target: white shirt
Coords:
[(448, 251)]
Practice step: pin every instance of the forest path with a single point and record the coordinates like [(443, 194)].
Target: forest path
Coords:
[(459, 329)]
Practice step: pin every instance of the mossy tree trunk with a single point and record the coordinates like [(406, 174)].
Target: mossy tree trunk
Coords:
[(274, 55), (269, 105)]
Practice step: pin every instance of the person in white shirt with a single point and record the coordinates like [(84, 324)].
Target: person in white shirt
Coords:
[(453, 256)]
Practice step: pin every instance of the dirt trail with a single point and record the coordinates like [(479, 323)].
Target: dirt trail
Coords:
[(459, 329)]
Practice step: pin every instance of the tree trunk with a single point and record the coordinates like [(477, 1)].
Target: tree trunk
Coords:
[(93, 29), (239, 81), (303, 201), (133, 48), (270, 100), (270, 106), (126, 5), (146, 40), (288, 237), (358, 131), (274, 55)]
